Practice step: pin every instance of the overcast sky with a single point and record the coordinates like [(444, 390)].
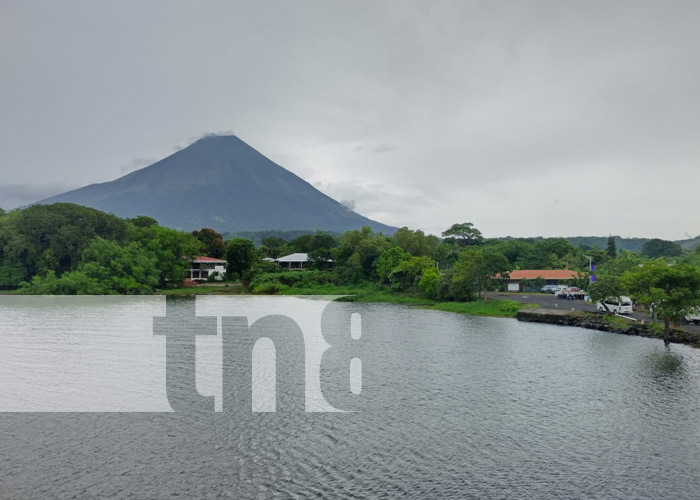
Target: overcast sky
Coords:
[(524, 117)]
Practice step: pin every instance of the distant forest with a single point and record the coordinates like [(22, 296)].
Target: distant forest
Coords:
[(584, 242), (631, 244)]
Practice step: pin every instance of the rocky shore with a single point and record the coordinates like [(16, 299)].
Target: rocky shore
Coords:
[(605, 323)]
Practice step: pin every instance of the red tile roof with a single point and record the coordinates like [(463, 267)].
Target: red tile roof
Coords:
[(548, 274), (201, 258)]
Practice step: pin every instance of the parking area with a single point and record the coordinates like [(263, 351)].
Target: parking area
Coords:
[(549, 301)]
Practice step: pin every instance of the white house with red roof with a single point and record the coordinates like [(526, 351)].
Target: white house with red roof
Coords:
[(202, 268)]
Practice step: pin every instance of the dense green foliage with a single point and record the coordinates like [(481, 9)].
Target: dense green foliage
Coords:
[(69, 249), (213, 242), (612, 247), (464, 234), (672, 291), (241, 255), (661, 248)]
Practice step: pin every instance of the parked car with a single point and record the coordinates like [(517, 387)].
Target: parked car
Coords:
[(616, 305), (693, 316), (548, 289)]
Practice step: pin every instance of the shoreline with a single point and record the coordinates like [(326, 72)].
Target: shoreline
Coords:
[(495, 307), (606, 323)]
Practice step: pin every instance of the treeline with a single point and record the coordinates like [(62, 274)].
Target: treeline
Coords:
[(458, 266), (632, 244), (70, 249), (584, 242)]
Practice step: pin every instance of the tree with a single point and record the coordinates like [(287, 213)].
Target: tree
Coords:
[(357, 255), (480, 268), (416, 242), (598, 256), (303, 243), (12, 274), (276, 246), (673, 290), (171, 248), (240, 254), (128, 269), (552, 253), (63, 228), (612, 247), (624, 262), (321, 259), (446, 254), (274, 242), (388, 261), (2, 212), (606, 287), (429, 282), (143, 221), (213, 242), (519, 253), (322, 241), (71, 283), (465, 234), (408, 273), (656, 248)]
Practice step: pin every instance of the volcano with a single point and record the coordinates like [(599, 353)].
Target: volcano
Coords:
[(222, 183)]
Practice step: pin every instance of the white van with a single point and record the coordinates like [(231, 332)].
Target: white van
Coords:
[(693, 316), (616, 305)]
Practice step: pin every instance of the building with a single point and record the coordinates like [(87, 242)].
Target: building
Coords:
[(549, 277), (201, 268), (294, 262)]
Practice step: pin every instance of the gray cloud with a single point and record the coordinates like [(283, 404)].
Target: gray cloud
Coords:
[(19, 195), (137, 163), (349, 203), (485, 111)]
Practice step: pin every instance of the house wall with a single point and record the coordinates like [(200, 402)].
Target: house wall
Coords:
[(516, 285)]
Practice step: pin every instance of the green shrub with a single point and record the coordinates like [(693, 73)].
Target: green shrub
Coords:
[(269, 288), (294, 279)]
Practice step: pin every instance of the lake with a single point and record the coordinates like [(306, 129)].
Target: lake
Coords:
[(451, 406)]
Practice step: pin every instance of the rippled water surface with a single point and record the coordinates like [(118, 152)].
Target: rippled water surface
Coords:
[(457, 407)]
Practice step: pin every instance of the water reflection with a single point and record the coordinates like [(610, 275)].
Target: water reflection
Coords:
[(665, 363)]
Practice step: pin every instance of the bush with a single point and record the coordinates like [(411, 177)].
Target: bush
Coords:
[(294, 279), (260, 267), (269, 288), (429, 282)]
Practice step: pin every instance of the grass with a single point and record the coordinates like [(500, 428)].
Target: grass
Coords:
[(495, 307), (374, 293), (378, 294), (622, 323)]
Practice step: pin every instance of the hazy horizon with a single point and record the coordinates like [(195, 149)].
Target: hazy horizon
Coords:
[(532, 119)]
